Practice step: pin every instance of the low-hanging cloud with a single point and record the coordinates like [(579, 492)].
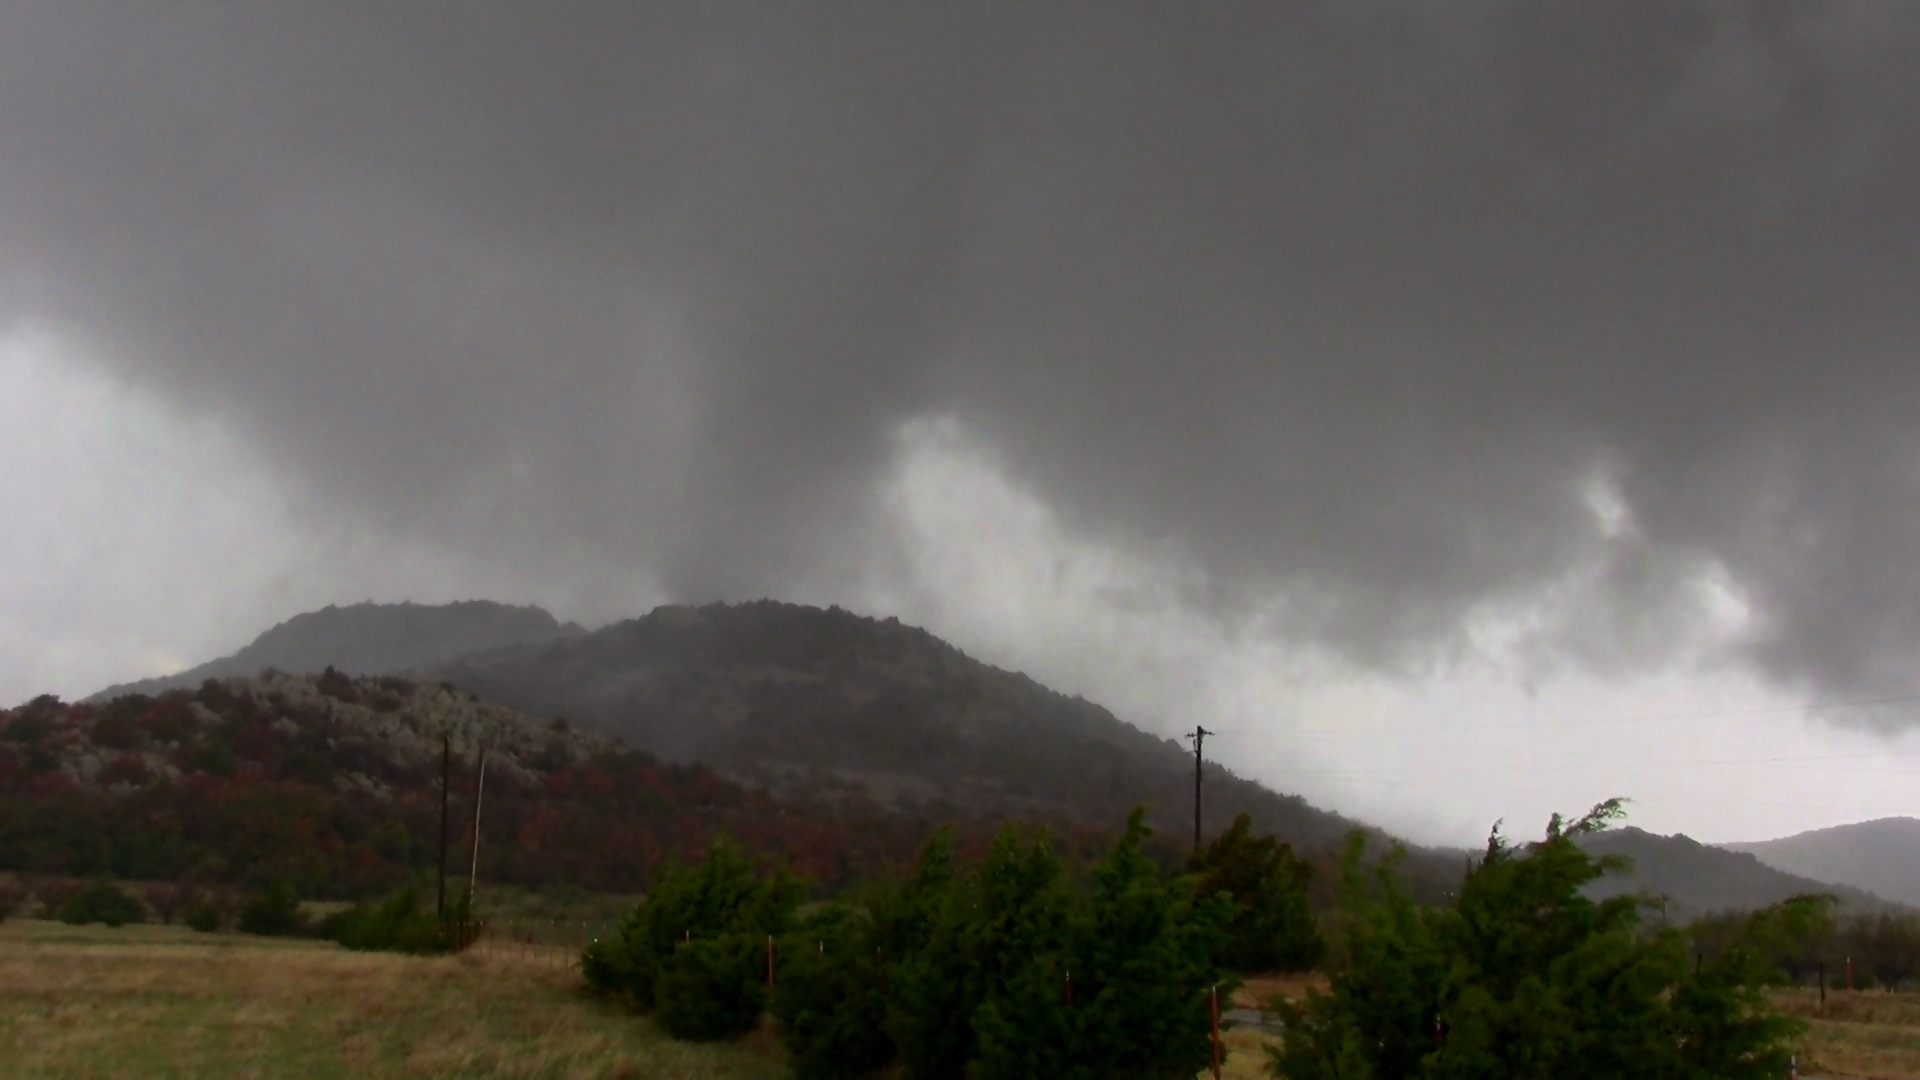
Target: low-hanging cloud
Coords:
[(1351, 308)]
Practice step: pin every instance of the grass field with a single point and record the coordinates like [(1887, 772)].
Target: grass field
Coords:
[(152, 1001), (157, 1002)]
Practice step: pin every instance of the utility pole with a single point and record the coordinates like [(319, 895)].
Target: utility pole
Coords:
[(479, 789), (446, 779), (1199, 737)]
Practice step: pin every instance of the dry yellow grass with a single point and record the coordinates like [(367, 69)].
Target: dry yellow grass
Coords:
[(159, 1002), (1864, 1034), (1258, 991)]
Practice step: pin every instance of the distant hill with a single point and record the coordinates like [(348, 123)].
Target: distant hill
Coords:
[(1881, 857), (1698, 878), (368, 639), (799, 699)]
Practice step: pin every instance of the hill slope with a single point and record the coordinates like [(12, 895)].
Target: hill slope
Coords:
[(1697, 878), (803, 703), (1881, 857), (368, 639), (799, 699), (333, 784)]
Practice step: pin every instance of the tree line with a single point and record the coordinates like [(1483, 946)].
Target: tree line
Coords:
[(1016, 966), (1021, 965), (1858, 949), (223, 791)]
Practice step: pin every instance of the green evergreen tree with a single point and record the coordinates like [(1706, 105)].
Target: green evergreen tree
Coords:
[(1273, 927), (395, 924), (832, 995), (712, 988), (830, 998), (1522, 976), (1138, 960), (722, 895), (990, 930)]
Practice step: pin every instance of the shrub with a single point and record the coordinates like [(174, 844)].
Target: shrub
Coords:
[(1523, 976), (273, 913), (837, 968), (720, 896), (830, 999), (712, 988), (204, 917), (11, 897), (396, 924), (102, 902)]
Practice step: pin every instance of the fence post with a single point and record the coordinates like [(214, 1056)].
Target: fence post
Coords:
[(1213, 1021), (1069, 983)]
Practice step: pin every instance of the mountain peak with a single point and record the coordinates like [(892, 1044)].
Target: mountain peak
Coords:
[(370, 639)]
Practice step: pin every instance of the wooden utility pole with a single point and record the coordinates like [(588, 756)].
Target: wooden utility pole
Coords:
[(479, 789), (1213, 1019), (1199, 738), (446, 778)]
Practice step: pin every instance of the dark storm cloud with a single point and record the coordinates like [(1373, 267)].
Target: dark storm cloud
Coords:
[(1353, 304)]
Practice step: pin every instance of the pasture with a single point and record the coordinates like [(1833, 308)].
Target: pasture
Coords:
[(78, 1003)]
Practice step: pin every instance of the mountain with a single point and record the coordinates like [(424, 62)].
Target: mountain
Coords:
[(332, 784), (368, 639), (1697, 878), (798, 699), (804, 704), (1881, 857)]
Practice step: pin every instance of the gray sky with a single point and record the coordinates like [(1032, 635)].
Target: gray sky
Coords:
[(1475, 409)]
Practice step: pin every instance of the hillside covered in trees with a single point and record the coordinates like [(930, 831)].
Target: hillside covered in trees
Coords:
[(1697, 878), (825, 716), (801, 699), (331, 784)]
